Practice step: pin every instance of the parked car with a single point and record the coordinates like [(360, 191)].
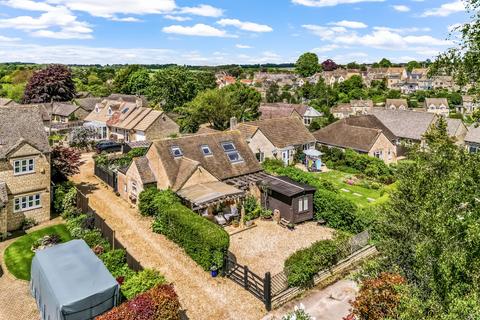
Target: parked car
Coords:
[(108, 146)]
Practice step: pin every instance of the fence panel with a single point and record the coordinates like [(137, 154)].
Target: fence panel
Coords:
[(109, 177), (107, 232)]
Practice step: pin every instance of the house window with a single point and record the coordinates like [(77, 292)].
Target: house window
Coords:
[(303, 204), (109, 111), (176, 151), (134, 187), (24, 166), (97, 109), (378, 154), (231, 152), (206, 150), (260, 156), (473, 149), (25, 203), (307, 121)]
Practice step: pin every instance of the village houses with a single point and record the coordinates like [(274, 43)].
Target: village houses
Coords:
[(279, 110), (127, 118)]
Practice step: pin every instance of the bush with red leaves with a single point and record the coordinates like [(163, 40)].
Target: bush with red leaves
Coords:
[(54, 83), (378, 297), (158, 303), (65, 162)]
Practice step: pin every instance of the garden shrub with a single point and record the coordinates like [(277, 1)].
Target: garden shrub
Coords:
[(28, 223), (146, 206), (276, 167), (141, 282), (338, 212), (116, 262), (158, 303), (304, 264), (204, 241), (75, 222), (59, 194), (94, 238)]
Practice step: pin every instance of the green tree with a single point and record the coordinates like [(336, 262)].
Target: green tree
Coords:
[(273, 93), (412, 65), (122, 77), (173, 87), (384, 63), (217, 106), (307, 64), (430, 229)]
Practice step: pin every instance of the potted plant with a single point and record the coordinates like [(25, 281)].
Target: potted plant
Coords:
[(266, 214), (235, 223), (214, 271), (291, 226)]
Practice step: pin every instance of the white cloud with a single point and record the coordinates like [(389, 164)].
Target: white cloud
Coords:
[(404, 30), (54, 22), (244, 25), (125, 19), (203, 10), (401, 8), (349, 24), (326, 48), (107, 9), (200, 30), (454, 27), (329, 3), (8, 39), (445, 9), (176, 18), (243, 46)]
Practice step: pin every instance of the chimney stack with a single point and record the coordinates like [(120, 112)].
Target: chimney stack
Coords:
[(233, 123)]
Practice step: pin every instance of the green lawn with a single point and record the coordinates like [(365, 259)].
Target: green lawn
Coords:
[(18, 255), (357, 194)]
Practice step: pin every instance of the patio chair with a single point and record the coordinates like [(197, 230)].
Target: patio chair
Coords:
[(220, 219)]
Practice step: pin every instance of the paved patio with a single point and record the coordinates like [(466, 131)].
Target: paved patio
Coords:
[(266, 247)]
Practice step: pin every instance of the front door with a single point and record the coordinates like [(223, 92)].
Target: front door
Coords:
[(285, 157)]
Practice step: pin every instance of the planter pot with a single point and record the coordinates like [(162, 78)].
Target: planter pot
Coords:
[(248, 223), (267, 218), (214, 273)]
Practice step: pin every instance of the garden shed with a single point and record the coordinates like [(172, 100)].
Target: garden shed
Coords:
[(69, 282), (293, 200)]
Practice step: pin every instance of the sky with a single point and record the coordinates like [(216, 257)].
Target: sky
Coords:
[(214, 32)]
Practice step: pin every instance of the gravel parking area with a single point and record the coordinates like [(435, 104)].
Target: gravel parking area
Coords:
[(266, 247)]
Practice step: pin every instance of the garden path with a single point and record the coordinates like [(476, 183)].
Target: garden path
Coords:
[(201, 296)]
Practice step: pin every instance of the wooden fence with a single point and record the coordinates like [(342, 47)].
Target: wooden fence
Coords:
[(250, 281), (275, 291), (107, 176), (107, 232)]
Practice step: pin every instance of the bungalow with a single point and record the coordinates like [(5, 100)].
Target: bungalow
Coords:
[(196, 167), (342, 110), (410, 126), (364, 134), (278, 138), (361, 106), (396, 104), (66, 112), (437, 105), (127, 120), (279, 110)]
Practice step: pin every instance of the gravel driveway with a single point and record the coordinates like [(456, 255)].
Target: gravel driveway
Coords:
[(202, 297)]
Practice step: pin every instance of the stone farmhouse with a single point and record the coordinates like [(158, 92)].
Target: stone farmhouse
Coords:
[(24, 167)]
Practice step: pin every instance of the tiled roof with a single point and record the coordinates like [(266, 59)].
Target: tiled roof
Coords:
[(216, 164), (22, 124), (282, 132), (63, 109), (473, 135), (144, 170), (87, 104), (405, 124)]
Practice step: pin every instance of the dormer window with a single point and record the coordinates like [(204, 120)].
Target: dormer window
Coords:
[(97, 109), (176, 151), (206, 150), (23, 166), (109, 111), (228, 146)]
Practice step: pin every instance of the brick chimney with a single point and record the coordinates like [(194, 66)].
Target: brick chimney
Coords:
[(233, 123)]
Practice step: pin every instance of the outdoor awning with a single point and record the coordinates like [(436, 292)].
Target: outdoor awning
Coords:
[(202, 195), (312, 153), (69, 282)]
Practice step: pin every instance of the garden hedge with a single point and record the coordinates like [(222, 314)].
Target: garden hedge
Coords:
[(140, 282), (304, 264), (204, 241), (160, 302)]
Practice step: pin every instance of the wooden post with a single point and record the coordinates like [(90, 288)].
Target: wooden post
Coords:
[(245, 277), (267, 291), (113, 240)]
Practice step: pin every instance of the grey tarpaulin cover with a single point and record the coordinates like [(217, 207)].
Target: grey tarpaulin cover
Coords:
[(69, 282)]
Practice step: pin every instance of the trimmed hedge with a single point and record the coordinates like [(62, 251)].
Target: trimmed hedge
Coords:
[(160, 302), (204, 241), (140, 282), (304, 264), (339, 213)]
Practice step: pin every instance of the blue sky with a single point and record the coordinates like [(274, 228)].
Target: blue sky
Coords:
[(213, 32)]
